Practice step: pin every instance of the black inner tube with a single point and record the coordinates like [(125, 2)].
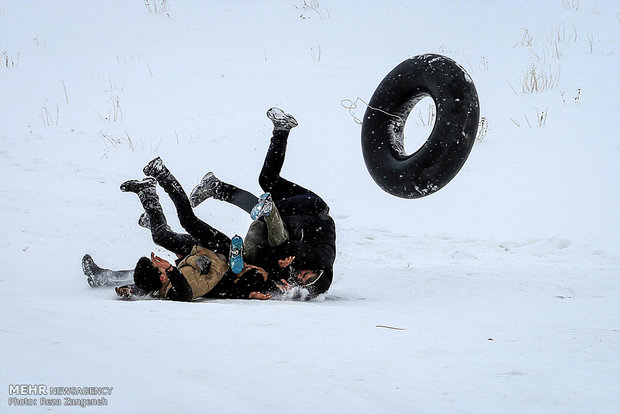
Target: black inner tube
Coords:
[(445, 151)]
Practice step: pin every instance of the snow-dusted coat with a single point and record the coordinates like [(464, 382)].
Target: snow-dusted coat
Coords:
[(188, 281)]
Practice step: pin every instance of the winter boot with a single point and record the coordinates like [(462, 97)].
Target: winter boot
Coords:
[(210, 186), (136, 186), (281, 121), (92, 271), (155, 168), (146, 190), (149, 199), (98, 277), (235, 258), (263, 208)]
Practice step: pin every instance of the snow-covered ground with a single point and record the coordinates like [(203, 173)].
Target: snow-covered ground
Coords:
[(504, 286)]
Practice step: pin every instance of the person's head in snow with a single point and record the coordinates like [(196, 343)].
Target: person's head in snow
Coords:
[(154, 275), (290, 244), (202, 267), (150, 273)]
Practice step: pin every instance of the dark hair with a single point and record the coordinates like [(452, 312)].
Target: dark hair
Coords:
[(146, 275)]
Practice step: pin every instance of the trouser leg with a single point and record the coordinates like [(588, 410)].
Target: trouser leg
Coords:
[(238, 197), (206, 235), (119, 277), (256, 240), (263, 234), (276, 230), (308, 204), (116, 277), (290, 198), (273, 229), (161, 232), (270, 179), (99, 277)]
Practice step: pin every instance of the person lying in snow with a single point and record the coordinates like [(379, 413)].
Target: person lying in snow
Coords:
[(293, 237), (201, 268)]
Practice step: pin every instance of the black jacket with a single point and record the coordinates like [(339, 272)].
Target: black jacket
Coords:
[(312, 240), (237, 287), (180, 290)]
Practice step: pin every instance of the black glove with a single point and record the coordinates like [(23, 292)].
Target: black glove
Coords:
[(204, 264)]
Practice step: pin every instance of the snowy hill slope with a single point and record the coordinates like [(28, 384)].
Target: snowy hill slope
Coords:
[(503, 286)]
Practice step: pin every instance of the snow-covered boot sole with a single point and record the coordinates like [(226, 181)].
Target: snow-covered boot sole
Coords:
[(281, 121), (155, 168), (135, 186)]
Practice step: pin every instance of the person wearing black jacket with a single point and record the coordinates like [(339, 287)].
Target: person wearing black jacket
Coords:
[(201, 269), (291, 244), (303, 253)]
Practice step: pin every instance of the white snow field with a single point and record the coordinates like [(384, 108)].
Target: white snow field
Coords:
[(498, 294)]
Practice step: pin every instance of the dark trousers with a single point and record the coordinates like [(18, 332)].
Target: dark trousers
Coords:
[(200, 233), (290, 198)]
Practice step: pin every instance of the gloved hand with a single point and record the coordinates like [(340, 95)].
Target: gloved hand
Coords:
[(204, 264)]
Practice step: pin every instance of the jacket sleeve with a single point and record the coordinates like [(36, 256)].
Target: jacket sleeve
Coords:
[(181, 290), (247, 284)]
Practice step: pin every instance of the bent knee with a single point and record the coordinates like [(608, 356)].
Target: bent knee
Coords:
[(161, 234), (266, 181)]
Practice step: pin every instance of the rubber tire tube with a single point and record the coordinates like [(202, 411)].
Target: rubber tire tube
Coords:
[(445, 151)]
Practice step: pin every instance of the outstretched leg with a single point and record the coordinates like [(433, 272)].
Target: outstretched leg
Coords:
[(207, 236), (255, 242), (98, 277), (270, 180), (162, 234), (265, 233), (260, 234), (211, 186)]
